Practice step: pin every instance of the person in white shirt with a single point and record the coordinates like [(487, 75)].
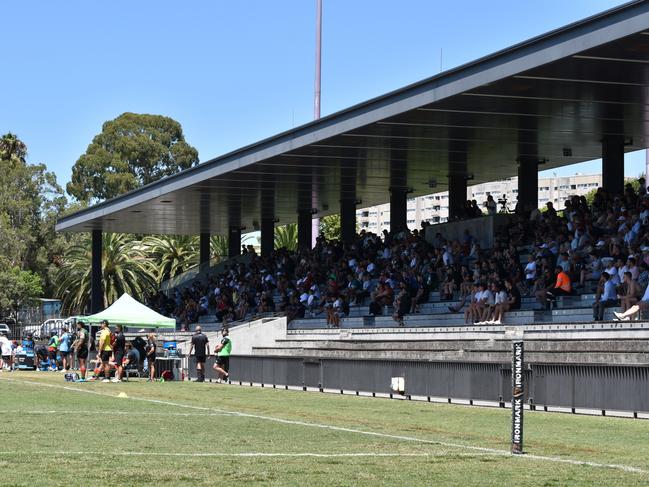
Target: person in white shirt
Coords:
[(530, 271), (501, 304), (6, 351)]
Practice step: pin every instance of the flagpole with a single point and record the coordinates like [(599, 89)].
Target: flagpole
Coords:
[(315, 222)]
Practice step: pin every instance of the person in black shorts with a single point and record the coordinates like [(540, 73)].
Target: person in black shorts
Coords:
[(150, 349), (200, 343), (80, 346), (119, 349), (40, 354), (223, 351)]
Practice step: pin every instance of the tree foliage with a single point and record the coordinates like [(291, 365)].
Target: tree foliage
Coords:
[(30, 202), (286, 237), (170, 255), (124, 270), (131, 151), (330, 227), (18, 288)]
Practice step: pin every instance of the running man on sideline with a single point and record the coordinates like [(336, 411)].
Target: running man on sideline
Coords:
[(201, 344), (223, 350)]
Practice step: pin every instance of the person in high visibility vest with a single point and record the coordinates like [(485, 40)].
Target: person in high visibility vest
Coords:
[(105, 349), (223, 351), (52, 347)]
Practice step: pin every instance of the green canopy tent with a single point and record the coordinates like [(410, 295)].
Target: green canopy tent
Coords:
[(129, 312)]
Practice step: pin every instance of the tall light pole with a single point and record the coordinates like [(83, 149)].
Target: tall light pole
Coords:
[(315, 223)]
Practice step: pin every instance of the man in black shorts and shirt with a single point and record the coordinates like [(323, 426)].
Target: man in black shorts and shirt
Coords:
[(80, 346), (200, 343), (119, 350)]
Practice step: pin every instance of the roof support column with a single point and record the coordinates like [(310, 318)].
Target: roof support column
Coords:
[(204, 249), (613, 164), (456, 195), (457, 177), (267, 220), (304, 237), (96, 277), (528, 184), (398, 197), (267, 236), (234, 225), (348, 202), (234, 241)]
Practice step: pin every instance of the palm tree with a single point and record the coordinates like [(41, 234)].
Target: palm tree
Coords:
[(286, 237), (170, 255), (219, 247), (124, 270)]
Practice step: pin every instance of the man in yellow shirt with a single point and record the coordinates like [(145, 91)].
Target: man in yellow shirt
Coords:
[(105, 349)]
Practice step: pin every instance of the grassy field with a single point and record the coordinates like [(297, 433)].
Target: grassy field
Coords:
[(57, 433)]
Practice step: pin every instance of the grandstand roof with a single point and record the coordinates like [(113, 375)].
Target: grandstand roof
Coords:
[(553, 97)]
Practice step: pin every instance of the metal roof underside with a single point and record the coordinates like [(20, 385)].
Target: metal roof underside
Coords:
[(552, 98)]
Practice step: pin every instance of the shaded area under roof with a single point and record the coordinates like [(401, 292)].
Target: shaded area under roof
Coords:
[(552, 98)]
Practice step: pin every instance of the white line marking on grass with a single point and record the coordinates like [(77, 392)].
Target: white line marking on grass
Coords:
[(115, 413), (492, 451), (254, 454)]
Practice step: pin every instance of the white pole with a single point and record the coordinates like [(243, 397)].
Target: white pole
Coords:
[(315, 222)]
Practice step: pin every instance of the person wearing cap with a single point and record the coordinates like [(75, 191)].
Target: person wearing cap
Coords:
[(223, 351), (80, 346), (201, 345)]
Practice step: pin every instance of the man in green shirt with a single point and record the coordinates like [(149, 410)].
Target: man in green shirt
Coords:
[(223, 350)]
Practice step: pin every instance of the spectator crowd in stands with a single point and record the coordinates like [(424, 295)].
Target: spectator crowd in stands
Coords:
[(601, 247)]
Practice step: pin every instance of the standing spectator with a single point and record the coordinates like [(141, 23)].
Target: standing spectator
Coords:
[(64, 348), (80, 346), (200, 344), (151, 349), (119, 350), (223, 351), (105, 349), (490, 205), (52, 348), (606, 299), (5, 353), (530, 272), (402, 303)]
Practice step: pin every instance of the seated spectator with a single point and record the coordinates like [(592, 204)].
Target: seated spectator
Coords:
[(631, 292), (606, 297), (634, 311), (562, 287)]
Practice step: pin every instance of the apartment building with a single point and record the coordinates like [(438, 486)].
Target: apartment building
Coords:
[(433, 208)]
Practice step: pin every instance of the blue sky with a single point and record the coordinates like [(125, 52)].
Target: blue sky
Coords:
[(235, 72)]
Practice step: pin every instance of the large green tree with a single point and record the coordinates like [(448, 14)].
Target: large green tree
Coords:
[(18, 288), (124, 270), (30, 202), (131, 151)]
